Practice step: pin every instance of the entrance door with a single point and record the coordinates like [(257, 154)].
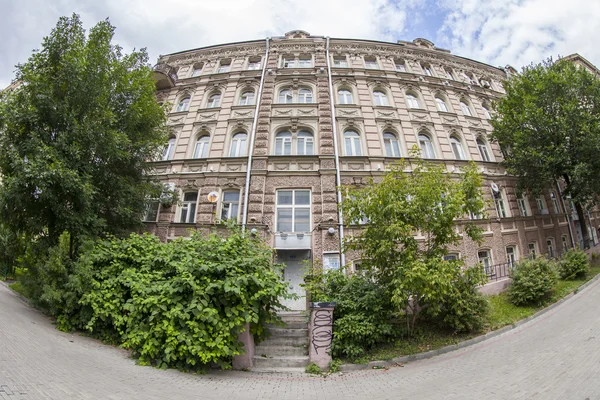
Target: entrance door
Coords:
[(294, 274)]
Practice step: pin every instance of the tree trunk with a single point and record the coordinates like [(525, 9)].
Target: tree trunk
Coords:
[(583, 225)]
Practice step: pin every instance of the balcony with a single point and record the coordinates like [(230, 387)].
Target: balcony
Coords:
[(165, 76), (292, 241)]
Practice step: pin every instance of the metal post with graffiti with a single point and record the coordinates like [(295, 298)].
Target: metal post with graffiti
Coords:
[(320, 333)]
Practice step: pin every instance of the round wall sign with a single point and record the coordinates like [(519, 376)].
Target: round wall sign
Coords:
[(212, 197)]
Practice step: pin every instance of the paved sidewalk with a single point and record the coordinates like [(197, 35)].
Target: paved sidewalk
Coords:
[(556, 356)]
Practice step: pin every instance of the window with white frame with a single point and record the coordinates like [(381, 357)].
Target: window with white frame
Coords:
[(484, 257), (188, 208), (304, 62), (499, 200), (465, 108), (427, 69), (392, 146), (197, 69), (352, 143), (293, 210), (247, 98), (214, 100), (151, 212), (288, 62), (305, 96), (286, 96), (523, 205), (452, 256), (483, 150), (254, 63), (541, 205), (449, 74), (340, 62), (511, 254), (331, 261), (304, 143), (224, 66), (555, 202), (550, 247), (412, 101), (371, 63), (230, 205), (426, 145), (238, 145), (183, 105), (457, 148), (380, 98), (283, 144), (400, 66), (470, 78), (565, 243), (345, 96), (441, 104), (201, 148), (486, 112), (532, 248), (169, 150)]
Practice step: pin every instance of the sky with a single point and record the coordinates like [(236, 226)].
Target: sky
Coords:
[(515, 32)]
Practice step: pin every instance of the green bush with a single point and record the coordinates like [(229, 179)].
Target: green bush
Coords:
[(363, 314), (574, 264), (532, 281), (464, 308)]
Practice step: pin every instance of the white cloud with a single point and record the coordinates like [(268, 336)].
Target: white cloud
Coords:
[(176, 25), (519, 32)]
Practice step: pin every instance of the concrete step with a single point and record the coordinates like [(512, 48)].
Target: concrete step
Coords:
[(280, 362), (294, 341), (275, 370), (283, 332), (280, 351), (290, 325)]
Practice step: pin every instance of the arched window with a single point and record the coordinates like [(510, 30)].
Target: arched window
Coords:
[(483, 151), (465, 108), (486, 111), (426, 146), (345, 96), (412, 101), (352, 143), (441, 104), (201, 149), (380, 98), (214, 100), (238, 145), (285, 96), (169, 149), (283, 144), (392, 147), (247, 98), (457, 148), (305, 96), (184, 104), (304, 144)]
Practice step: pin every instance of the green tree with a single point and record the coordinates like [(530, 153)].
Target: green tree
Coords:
[(428, 200), (76, 137), (548, 126)]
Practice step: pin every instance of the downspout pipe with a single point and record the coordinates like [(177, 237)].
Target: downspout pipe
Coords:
[(562, 200), (338, 179), (252, 136)]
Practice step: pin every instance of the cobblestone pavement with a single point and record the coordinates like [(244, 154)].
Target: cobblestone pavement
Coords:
[(556, 356)]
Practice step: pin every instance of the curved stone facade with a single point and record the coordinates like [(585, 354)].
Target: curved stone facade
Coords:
[(386, 98)]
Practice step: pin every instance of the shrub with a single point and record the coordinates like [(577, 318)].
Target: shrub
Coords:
[(574, 264), (464, 308), (363, 314), (532, 281)]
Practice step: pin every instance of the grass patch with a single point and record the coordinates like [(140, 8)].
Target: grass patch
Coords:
[(17, 287), (502, 313)]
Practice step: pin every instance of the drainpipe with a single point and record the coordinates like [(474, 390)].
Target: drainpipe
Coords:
[(338, 179), (252, 136), (562, 200)]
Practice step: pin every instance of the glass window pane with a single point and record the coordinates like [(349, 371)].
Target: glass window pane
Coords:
[(284, 220), (284, 197), (190, 196), (231, 196), (302, 197), (309, 147), (302, 220), (225, 211)]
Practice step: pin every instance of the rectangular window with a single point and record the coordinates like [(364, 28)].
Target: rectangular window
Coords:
[(485, 258), (565, 243), (253, 64), (340, 62), (541, 204), (532, 249), (511, 254), (197, 69), (400, 66), (550, 247), (224, 66), (451, 256), (555, 202), (230, 205), (522, 202), (188, 208), (293, 210), (151, 214), (331, 261), (304, 62), (501, 209), (371, 63), (289, 62)]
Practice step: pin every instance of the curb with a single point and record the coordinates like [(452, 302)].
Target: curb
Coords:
[(466, 343)]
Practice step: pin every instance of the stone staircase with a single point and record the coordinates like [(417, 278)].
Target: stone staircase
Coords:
[(286, 350)]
